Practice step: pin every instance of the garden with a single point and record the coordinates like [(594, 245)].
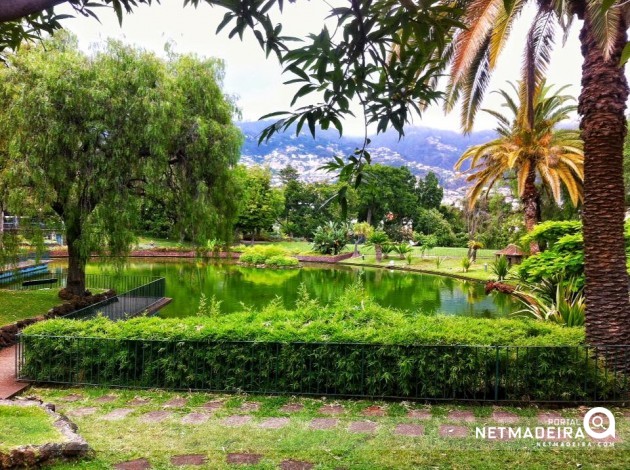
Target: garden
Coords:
[(167, 300)]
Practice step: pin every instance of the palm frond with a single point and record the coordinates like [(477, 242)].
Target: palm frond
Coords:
[(504, 21), (480, 17), (537, 56), (604, 21)]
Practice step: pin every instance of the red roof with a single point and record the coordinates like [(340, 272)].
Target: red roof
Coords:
[(511, 250)]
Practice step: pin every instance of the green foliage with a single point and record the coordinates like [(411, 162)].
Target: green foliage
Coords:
[(466, 262), (425, 242), (432, 222), (387, 249), (262, 254), (362, 231), (386, 190), (564, 259), (429, 192), (284, 339), (377, 238), (261, 205), (351, 317), (475, 245), (409, 258), (494, 223), (500, 268), (132, 125), (282, 262), (330, 239), (207, 308), (398, 231), (556, 301), (438, 261), (309, 205), (402, 249), (548, 233)]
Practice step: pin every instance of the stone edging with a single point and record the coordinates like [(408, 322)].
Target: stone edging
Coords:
[(156, 254), (220, 255), (28, 456), (324, 258)]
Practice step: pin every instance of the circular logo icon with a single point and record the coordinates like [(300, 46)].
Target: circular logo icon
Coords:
[(595, 423)]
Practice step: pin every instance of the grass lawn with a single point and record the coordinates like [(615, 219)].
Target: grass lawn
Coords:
[(144, 243), (22, 425), (17, 305), (428, 263), (133, 437), (304, 247)]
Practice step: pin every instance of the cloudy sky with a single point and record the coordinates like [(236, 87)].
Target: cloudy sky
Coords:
[(258, 81)]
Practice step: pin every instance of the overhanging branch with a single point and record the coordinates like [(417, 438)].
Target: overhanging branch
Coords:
[(11, 10)]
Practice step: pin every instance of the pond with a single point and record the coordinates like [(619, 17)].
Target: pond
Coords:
[(237, 286)]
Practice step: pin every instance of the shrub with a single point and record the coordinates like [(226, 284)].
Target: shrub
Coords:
[(556, 301), (330, 239), (207, 308), (466, 263), (260, 254), (548, 233), (431, 221), (282, 261), (426, 242), (397, 355), (402, 249), (500, 268), (565, 259), (387, 248)]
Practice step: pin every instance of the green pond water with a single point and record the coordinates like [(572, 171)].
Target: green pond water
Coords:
[(236, 286)]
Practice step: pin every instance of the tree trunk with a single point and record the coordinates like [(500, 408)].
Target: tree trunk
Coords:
[(473, 256), (1, 228), (368, 218), (530, 198), (379, 253), (602, 105), (356, 247), (76, 264)]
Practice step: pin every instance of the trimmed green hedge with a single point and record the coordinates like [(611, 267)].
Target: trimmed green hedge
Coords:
[(298, 351)]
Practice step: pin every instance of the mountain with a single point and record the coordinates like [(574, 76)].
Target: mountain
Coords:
[(422, 149)]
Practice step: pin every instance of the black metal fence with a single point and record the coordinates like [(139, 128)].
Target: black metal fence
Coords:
[(125, 305), (572, 374), (57, 279)]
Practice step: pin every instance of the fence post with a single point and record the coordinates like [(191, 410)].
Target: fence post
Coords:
[(496, 376)]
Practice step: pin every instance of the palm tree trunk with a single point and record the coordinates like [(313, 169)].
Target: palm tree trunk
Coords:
[(378, 249), (530, 199), (602, 105)]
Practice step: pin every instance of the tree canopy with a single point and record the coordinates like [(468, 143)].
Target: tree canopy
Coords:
[(98, 132)]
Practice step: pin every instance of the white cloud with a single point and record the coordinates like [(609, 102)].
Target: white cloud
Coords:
[(257, 81)]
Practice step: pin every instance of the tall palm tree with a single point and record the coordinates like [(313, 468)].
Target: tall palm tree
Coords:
[(602, 103), (531, 150)]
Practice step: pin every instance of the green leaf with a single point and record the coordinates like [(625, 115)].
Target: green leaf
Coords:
[(625, 55)]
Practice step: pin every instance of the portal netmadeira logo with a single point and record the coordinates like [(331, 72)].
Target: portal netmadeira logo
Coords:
[(597, 428)]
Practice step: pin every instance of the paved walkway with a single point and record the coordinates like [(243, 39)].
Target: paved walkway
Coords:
[(8, 385)]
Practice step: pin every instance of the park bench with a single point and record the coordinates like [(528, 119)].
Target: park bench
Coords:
[(39, 282)]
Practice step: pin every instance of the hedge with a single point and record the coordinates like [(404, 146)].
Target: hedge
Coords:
[(355, 349)]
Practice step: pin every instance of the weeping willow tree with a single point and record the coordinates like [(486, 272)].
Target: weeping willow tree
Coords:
[(98, 132)]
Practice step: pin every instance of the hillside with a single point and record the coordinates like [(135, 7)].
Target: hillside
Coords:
[(422, 150)]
